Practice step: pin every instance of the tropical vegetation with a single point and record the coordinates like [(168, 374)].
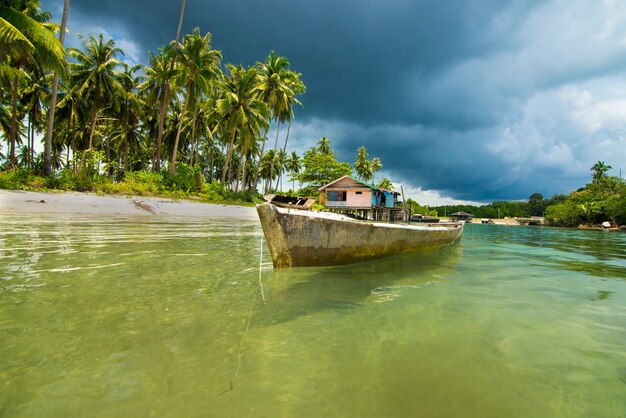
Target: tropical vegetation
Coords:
[(601, 200), (186, 123), (185, 108)]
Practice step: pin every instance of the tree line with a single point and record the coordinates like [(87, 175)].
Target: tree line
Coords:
[(184, 107), (601, 200)]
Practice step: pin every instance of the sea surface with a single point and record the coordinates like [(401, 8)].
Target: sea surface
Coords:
[(136, 316)]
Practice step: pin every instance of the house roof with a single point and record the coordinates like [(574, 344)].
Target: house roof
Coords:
[(461, 213), (358, 181)]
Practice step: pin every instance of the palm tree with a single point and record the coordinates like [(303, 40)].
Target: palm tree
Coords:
[(362, 165), (385, 183), (197, 66), (376, 165), (26, 37), (268, 161), (23, 157), (130, 112), (241, 112), (32, 97), (95, 79), (273, 88), (323, 146), (282, 159), (293, 166), (156, 78), (47, 163), (248, 148), (599, 171), (166, 93), (297, 87)]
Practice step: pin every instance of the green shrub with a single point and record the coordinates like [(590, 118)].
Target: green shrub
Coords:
[(616, 210), (21, 179), (143, 183), (187, 178), (568, 213), (214, 192)]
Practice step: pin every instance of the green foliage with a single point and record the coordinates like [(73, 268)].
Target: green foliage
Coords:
[(418, 209), (616, 209), (21, 179), (499, 209), (565, 214), (385, 183), (362, 165), (601, 200), (144, 183), (187, 179), (214, 192), (320, 169), (84, 181), (599, 171), (536, 205)]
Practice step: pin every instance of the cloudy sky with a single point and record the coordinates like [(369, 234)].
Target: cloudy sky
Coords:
[(466, 100)]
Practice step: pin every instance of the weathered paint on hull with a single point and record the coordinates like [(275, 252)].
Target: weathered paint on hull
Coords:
[(298, 239)]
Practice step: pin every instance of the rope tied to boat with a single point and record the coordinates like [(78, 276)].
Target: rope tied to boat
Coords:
[(231, 385)]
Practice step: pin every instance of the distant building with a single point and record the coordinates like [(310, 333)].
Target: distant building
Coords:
[(352, 196), (461, 216)]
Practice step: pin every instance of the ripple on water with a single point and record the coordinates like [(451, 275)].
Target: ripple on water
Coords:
[(133, 316)]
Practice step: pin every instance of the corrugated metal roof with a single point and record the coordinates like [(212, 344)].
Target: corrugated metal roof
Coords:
[(358, 181)]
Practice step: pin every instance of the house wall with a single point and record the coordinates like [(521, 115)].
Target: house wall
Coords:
[(357, 195), (389, 199), (362, 200), (353, 199)]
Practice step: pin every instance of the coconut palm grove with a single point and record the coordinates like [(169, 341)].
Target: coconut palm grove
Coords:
[(187, 124)]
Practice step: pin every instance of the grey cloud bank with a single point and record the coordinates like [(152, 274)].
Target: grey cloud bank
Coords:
[(473, 100)]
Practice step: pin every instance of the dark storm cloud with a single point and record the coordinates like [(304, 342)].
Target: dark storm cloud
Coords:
[(477, 99), (361, 61)]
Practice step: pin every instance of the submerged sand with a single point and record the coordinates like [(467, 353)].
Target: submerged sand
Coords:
[(22, 202)]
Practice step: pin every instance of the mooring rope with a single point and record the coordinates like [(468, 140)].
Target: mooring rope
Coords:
[(245, 333), (260, 270)]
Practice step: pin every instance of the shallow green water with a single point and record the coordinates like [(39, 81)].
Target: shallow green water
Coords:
[(137, 317)]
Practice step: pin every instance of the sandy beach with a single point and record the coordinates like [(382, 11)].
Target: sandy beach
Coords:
[(20, 202)]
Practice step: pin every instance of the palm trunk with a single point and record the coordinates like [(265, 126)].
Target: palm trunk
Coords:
[(162, 111), (166, 93), (275, 146), (258, 171), (287, 137), (178, 131), (193, 139), (239, 173), (13, 130), (229, 151), (110, 172), (47, 162), (126, 153), (32, 145), (92, 129), (28, 135)]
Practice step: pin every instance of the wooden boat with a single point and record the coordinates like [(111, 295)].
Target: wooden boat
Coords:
[(305, 238), (289, 201)]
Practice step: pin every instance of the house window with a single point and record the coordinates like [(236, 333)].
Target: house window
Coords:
[(359, 192), (341, 196)]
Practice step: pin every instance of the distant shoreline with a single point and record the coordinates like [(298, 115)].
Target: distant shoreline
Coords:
[(24, 202)]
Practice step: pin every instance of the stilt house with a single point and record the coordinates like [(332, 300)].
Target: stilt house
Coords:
[(355, 197)]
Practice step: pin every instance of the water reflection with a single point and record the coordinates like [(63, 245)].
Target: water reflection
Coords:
[(597, 253), (295, 292)]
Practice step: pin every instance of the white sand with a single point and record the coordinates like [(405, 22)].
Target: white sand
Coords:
[(18, 202)]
